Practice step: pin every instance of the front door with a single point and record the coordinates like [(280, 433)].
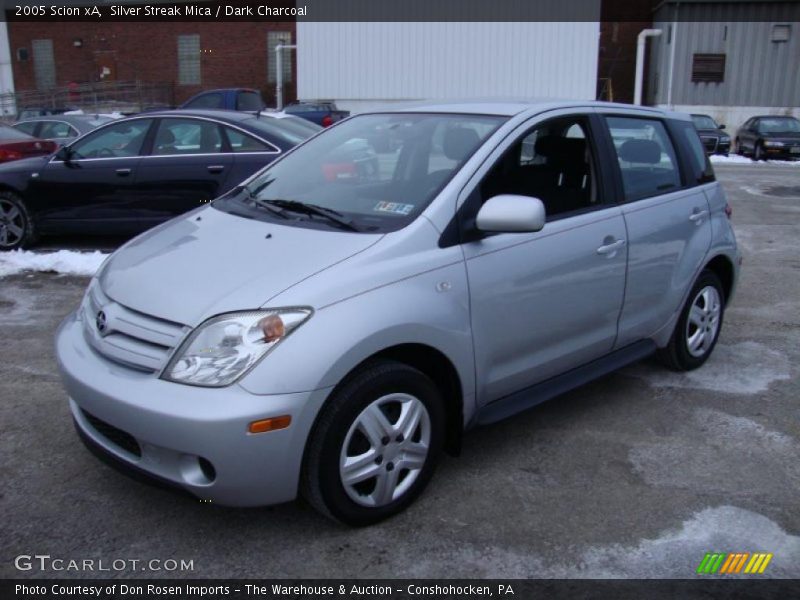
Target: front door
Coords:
[(90, 187), (545, 302)]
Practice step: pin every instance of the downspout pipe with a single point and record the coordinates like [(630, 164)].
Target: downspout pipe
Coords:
[(640, 45), (279, 73)]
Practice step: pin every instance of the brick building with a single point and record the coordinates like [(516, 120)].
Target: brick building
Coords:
[(190, 56)]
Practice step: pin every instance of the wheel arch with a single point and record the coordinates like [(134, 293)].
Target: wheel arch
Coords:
[(722, 266)]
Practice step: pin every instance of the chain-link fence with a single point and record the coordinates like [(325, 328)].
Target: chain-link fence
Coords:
[(105, 97)]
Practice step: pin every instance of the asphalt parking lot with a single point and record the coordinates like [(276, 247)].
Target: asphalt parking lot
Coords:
[(636, 475)]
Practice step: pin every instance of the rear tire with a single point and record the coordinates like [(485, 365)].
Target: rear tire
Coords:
[(375, 444), (698, 328), (17, 229)]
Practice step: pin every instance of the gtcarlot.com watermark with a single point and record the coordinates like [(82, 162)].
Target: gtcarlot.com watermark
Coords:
[(45, 562)]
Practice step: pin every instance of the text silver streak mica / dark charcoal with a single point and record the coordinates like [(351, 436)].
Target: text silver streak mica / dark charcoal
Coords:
[(334, 323)]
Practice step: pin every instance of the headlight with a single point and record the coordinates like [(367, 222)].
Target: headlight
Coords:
[(773, 144), (224, 348), (724, 139)]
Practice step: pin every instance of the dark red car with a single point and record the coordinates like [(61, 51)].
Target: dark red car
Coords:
[(15, 145)]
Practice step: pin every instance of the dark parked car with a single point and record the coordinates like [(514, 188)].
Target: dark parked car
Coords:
[(714, 139), (131, 174), (769, 136), (16, 145), (61, 129), (321, 112), (243, 99)]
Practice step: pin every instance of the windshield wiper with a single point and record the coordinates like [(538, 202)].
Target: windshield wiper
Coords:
[(311, 209)]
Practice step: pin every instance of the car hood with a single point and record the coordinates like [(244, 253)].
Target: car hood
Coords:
[(713, 131), (25, 164), (210, 262)]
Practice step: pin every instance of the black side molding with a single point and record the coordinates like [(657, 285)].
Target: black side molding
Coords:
[(529, 397)]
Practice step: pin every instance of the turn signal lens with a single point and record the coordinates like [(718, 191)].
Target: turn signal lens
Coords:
[(728, 210), (273, 328), (272, 424)]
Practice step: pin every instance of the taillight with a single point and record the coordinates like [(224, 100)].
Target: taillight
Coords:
[(728, 210), (9, 155), (327, 121)]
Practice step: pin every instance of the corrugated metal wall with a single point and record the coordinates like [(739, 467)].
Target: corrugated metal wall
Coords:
[(378, 62), (758, 71)]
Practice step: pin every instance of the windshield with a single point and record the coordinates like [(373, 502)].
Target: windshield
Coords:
[(379, 170), (779, 125), (704, 122)]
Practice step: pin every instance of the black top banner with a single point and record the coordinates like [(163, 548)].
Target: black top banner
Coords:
[(401, 10)]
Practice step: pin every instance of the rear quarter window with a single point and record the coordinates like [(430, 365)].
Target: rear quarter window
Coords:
[(700, 168)]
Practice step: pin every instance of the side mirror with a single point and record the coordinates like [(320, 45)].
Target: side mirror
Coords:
[(722, 126), (509, 213)]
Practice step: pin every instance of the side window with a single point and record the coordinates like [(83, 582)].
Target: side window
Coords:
[(646, 157), (57, 129), (206, 101), (553, 162), (187, 136), (28, 127), (117, 140), (702, 171), (241, 142)]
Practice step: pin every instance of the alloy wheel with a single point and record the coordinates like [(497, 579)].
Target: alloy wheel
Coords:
[(703, 322), (12, 224)]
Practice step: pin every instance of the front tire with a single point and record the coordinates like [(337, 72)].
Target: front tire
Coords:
[(375, 444), (698, 327), (16, 226), (758, 153)]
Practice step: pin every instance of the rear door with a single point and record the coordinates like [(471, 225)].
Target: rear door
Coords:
[(250, 153), (186, 166), (94, 190), (667, 220)]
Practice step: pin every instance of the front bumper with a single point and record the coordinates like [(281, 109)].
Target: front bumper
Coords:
[(787, 152), (164, 429)]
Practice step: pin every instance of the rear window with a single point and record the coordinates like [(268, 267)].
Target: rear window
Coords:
[(9, 133), (249, 101), (281, 130), (206, 101)]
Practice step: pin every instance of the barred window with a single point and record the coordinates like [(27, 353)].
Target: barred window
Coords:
[(189, 59), (708, 67), (273, 39), (44, 64)]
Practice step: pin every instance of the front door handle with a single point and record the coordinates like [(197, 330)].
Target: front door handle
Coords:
[(697, 216), (123, 172), (610, 248), (216, 168)]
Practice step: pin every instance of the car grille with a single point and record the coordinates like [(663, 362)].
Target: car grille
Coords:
[(710, 143), (116, 436), (128, 336)]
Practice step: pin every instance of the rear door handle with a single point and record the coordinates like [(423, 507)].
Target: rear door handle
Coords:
[(611, 248), (216, 168), (698, 216), (123, 172)]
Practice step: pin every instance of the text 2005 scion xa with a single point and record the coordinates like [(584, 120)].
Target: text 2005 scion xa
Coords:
[(334, 323)]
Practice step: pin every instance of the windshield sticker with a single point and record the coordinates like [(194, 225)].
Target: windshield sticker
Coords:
[(394, 207)]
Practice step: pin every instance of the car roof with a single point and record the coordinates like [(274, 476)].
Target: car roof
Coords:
[(233, 116), (514, 106), (775, 117)]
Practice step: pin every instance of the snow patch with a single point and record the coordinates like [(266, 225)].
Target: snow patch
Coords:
[(744, 368), (65, 262), (735, 159)]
